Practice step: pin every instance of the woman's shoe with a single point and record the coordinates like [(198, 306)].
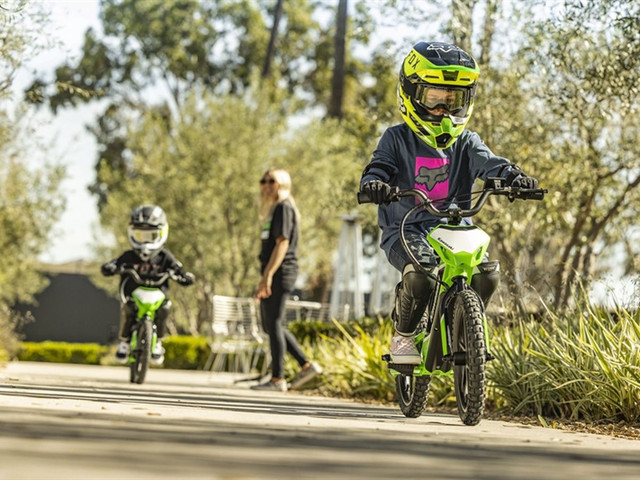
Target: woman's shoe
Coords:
[(305, 375), (277, 386)]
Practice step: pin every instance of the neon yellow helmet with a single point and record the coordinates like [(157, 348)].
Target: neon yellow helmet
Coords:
[(435, 91)]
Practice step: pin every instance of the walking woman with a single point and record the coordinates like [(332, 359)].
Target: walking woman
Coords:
[(279, 267)]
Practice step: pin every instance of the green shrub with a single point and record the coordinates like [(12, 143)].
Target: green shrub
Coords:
[(60, 352), (352, 364), (311, 331), (181, 352), (582, 367), (185, 352), (9, 339)]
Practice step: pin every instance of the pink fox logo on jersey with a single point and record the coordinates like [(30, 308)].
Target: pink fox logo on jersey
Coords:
[(432, 177)]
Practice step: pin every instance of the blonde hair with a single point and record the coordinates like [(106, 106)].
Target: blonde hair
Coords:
[(268, 204)]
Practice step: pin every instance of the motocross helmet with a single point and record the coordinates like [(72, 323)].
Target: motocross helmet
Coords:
[(148, 230), (435, 91)]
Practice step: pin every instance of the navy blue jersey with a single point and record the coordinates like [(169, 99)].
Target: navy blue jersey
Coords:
[(403, 160)]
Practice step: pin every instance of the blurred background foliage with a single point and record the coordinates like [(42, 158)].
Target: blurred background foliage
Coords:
[(198, 98)]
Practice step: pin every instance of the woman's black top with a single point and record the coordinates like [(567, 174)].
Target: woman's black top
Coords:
[(283, 223)]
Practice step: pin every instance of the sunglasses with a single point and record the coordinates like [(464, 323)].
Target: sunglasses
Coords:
[(264, 181)]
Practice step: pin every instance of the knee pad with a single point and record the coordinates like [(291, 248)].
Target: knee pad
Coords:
[(416, 284), (161, 318), (163, 312), (130, 309), (127, 318), (486, 279), (412, 297)]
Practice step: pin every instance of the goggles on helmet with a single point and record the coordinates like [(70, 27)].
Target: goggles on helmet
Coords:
[(455, 101), (141, 235)]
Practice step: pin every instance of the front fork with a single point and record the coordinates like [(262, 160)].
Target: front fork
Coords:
[(134, 337)]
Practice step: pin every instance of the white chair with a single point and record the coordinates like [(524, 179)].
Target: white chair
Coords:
[(298, 310), (235, 335)]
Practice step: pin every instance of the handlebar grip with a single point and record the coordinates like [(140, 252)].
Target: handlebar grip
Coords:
[(533, 194), (364, 197)]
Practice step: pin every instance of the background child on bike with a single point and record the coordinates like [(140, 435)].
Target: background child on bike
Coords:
[(148, 231), (431, 151)]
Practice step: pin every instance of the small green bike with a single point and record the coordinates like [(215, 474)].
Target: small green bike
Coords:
[(148, 298), (452, 336)]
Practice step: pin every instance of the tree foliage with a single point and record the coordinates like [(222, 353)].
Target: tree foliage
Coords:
[(588, 59), (30, 197), (183, 111), (204, 173)]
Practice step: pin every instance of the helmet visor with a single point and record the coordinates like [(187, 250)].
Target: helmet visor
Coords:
[(141, 235), (454, 101)]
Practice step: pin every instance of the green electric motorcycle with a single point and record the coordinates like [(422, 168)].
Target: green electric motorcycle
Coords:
[(452, 337), (148, 298)]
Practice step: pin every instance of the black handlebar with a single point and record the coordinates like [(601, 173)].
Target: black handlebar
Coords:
[(148, 282), (492, 187)]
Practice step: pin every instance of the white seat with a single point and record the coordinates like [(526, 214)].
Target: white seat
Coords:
[(235, 335)]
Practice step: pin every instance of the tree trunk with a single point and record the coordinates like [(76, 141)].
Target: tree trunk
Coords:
[(277, 14), (488, 31), (462, 23), (337, 82)]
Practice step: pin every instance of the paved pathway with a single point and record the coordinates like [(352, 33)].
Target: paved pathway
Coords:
[(85, 422)]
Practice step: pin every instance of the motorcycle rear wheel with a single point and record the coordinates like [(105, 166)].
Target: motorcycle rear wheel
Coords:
[(412, 393)]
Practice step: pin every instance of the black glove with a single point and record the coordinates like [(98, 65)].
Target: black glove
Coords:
[(377, 190), (522, 181), (187, 279), (108, 269)]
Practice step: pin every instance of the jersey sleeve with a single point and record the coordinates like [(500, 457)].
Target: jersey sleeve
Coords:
[(383, 164), (484, 163), (171, 263)]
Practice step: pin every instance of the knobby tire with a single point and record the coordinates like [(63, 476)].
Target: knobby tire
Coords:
[(412, 392), (142, 352), (469, 339)]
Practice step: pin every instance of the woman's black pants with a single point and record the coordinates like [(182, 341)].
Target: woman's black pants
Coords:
[(281, 340)]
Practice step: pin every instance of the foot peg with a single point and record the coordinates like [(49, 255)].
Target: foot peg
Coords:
[(403, 368)]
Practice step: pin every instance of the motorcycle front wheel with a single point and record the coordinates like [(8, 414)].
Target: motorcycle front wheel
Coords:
[(142, 352), (470, 357)]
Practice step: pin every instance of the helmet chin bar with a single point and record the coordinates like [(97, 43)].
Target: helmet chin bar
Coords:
[(442, 140), (145, 253)]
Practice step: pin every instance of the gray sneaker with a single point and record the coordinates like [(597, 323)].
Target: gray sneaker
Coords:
[(279, 386), (403, 350), (305, 375)]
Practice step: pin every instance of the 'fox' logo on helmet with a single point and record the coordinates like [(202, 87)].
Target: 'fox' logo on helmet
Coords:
[(442, 47)]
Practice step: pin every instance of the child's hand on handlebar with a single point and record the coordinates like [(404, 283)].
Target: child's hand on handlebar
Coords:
[(187, 279), (523, 181), (378, 191), (108, 269)]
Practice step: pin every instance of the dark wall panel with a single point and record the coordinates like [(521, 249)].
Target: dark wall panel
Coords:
[(72, 309)]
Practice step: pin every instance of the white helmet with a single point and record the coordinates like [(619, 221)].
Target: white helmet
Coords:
[(148, 230)]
